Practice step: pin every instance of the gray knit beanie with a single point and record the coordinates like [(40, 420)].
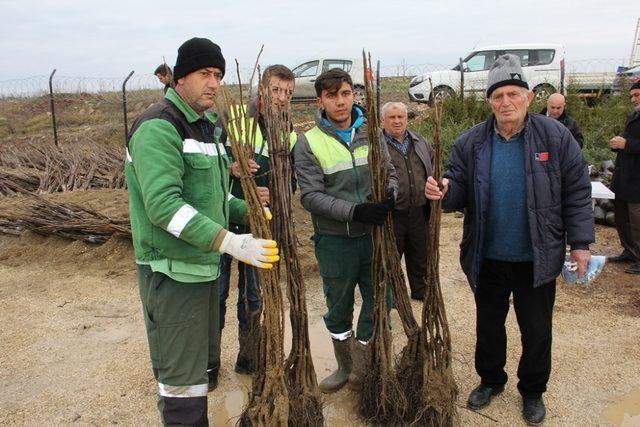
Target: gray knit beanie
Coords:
[(506, 71)]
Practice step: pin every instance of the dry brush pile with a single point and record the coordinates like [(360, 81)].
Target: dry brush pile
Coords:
[(31, 169), (68, 220), (42, 167)]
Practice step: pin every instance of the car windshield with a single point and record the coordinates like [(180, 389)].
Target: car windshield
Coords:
[(466, 59), (308, 69)]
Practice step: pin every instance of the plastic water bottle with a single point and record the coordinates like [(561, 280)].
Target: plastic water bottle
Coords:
[(570, 270)]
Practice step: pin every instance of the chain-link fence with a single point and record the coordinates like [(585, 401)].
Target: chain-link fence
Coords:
[(67, 108)]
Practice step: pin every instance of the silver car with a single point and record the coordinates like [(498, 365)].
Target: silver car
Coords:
[(307, 73)]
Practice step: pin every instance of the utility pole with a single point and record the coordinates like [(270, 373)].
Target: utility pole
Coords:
[(635, 48)]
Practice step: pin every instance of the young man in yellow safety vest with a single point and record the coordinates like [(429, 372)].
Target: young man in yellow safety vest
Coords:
[(333, 175)]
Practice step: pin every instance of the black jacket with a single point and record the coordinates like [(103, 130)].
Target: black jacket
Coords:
[(558, 194), (571, 124), (626, 175)]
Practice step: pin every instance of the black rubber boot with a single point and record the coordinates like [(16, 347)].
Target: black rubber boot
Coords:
[(339, 377), (244, 362)]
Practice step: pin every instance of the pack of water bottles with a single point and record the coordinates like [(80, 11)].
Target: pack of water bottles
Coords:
[(570, 270)]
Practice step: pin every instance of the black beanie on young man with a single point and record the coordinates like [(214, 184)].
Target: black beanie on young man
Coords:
[(195, 54)]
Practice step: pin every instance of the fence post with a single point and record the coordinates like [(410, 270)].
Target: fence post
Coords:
[(53, 109), (124, 106), (378, 86), (461, 80)]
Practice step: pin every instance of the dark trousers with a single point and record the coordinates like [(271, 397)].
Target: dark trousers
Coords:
[(345, 263), (411, 228), (248, 286), (534, 310), (628, 225), (181, 320)]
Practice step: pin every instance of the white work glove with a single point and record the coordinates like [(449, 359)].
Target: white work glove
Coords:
[(246, 248), (267, 213)]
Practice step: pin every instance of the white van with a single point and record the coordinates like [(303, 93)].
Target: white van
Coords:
[(542, 64), (307, 72)]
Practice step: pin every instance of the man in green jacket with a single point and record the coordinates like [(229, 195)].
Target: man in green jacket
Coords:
[(177, 175), (333, 175)]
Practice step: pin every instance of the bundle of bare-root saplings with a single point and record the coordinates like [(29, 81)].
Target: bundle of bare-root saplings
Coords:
[(269, 397)]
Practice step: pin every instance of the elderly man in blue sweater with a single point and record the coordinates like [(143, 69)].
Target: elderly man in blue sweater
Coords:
[(525, 185)]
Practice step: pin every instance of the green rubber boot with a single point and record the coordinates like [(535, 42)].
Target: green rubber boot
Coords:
[(339, 377), (360, 354)]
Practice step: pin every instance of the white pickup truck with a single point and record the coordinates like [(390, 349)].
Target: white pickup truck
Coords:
[(542, 64)]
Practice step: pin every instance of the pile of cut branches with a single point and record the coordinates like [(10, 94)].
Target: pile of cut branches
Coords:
[(14, 180), (67, 220), (44, 168)]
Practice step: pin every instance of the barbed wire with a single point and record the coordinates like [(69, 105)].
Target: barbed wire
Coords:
[(39, 85)]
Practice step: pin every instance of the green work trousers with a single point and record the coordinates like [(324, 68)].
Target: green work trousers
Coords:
[(184, 341), (345, 262)]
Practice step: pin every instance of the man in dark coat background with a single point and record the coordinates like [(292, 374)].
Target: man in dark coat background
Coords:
[(626, 184), (556, 109)]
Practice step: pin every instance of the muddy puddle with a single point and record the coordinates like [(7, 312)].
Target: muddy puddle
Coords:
[(227, 401), (625, 412)]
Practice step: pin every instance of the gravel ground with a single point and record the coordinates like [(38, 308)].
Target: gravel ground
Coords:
[(73, 348)]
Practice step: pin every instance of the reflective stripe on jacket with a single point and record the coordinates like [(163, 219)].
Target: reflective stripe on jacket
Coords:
[(334, 177)]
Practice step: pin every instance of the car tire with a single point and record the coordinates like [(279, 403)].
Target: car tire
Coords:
[(543, 91), (359, 96), (441, 93)]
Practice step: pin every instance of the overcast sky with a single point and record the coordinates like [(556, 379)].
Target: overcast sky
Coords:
[(112, 37)]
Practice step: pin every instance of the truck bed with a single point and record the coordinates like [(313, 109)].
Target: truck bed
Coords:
[(590, 82)]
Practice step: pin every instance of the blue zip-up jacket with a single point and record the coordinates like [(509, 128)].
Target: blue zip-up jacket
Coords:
[(558, 192)]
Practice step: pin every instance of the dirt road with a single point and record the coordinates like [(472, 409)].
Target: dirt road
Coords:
[(73, 348)]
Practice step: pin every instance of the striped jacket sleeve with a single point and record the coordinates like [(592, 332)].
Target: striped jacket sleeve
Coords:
[(156, 152)]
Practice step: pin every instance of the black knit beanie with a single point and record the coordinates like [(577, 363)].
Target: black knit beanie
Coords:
[(195, 54), (636, 85)]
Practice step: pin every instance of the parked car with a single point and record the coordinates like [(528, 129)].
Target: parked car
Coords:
[(626, 78), (542, 64), (307, 73)]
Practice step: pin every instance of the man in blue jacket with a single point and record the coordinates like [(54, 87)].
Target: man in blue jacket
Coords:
[(525, 185)]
